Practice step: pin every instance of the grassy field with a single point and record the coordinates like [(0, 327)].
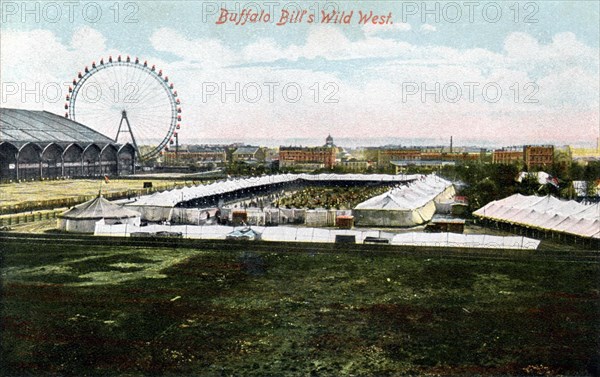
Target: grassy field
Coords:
[(136, 311), (15, 193)]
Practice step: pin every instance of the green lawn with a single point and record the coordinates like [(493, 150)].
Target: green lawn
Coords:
[(137, 311)]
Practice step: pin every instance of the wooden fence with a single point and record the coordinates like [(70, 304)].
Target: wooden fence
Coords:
[(23, 218)]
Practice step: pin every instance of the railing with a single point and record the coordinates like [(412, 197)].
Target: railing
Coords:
[(24, 218)]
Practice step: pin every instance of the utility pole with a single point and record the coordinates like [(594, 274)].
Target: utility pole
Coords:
[(176, 148)]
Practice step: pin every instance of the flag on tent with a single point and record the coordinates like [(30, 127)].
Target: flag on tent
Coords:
[(553, 181)]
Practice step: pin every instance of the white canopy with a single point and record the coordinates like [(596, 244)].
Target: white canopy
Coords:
[(546, 213), (414, 195)]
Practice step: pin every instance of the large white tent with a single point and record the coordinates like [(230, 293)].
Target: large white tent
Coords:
[(83, 217), (545, 213), (409, 205)]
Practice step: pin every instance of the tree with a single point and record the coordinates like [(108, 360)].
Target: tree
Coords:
[(592, 171), (590, 189), (482, 193), (529, 185)]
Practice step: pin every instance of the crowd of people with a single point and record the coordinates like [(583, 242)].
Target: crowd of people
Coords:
[(328, 197)]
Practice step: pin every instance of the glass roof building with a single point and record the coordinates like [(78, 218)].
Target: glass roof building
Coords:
[(43, 145)]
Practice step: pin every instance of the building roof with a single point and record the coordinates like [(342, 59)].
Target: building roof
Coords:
[(408, 197), (246, 150), (421, 162), (99, 208), (546, 213), (22, 126), (205, 149)]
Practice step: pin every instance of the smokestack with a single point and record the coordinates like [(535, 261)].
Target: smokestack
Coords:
[(450, 144)]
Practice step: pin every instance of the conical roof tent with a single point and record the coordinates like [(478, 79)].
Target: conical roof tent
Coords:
[(99, 208)]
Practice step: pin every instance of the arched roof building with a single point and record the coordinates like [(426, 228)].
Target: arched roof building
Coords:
[(39, 144)]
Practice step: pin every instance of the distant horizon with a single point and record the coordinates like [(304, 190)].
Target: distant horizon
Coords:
[(370, 142), (351, 142)]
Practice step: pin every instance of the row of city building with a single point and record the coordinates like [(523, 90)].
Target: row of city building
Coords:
[(398, 158), (39, 145)]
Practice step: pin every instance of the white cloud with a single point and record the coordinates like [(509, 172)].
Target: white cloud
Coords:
[(370, 95), (38, 59), (205, 51), (428, 28), (372, 29), (88, 41)]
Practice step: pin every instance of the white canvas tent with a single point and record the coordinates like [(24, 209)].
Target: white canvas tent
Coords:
[(409, 205), (545, 213), (83, 217)]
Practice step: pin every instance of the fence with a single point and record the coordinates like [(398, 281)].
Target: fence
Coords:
[(23, 218), (320, 235)]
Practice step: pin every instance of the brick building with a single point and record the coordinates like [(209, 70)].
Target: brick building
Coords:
[(386, 156), (532, 156), (507, 156), (538, 156), (196, 154), (290, 156), (457, 157)]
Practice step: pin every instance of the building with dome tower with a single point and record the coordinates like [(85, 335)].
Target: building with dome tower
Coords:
[(309, 157), (329, 141)]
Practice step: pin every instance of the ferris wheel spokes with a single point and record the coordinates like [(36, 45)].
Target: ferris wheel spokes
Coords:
[(143, 99)]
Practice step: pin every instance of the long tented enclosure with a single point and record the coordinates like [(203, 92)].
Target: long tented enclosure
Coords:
[(544, 216), (160, 206)]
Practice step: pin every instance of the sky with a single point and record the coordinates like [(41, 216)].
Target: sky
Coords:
[(500, 73)]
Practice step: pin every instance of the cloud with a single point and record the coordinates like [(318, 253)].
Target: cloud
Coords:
[(564, 52), (88, 41), (367, 74), (428, 28), (38, 59), (371, 101), (205, 51), (372, 29)]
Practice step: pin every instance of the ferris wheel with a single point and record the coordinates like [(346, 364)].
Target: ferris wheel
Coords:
[(127, 101)]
